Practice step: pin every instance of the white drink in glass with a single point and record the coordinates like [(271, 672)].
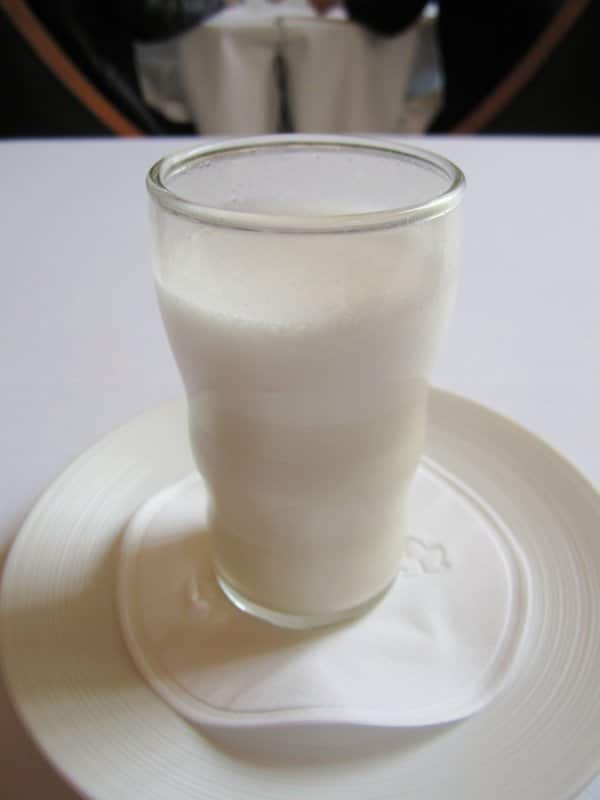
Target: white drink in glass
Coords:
[(306, 361)]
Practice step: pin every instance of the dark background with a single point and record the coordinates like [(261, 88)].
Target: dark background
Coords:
[(562, 97)]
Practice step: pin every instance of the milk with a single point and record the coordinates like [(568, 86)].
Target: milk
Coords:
[(306, 362)]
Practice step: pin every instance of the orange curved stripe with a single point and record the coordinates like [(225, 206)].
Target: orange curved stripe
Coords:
[(525, 69), (48, 51)]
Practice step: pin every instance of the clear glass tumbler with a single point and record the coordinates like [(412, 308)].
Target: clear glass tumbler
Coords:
[(305, 284)]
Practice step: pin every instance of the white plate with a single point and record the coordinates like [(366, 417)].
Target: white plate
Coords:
[(112, 736)]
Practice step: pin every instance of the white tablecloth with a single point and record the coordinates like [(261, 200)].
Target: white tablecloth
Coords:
[(235, 73), (82, 347)]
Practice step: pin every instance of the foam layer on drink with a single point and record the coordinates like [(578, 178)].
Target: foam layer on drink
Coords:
[(306, 362)]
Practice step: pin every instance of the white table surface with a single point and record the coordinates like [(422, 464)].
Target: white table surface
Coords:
[(82, 348)]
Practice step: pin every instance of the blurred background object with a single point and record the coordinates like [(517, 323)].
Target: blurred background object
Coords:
[(88, 67)]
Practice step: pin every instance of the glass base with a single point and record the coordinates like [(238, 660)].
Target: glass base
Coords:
[(297, 621)]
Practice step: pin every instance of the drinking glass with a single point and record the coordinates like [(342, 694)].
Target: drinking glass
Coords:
[(305, 283)]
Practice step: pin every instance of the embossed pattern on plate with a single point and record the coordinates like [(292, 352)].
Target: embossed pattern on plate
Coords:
[(437, 647)]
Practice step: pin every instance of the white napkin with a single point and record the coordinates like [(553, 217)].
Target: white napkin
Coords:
[(438, 647)]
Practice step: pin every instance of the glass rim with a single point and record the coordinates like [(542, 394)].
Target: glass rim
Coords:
[(171, 165)]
